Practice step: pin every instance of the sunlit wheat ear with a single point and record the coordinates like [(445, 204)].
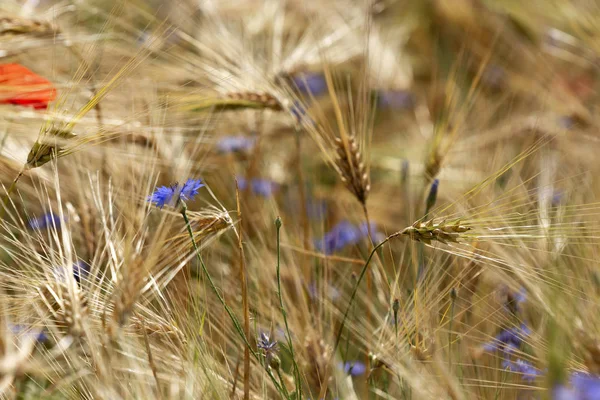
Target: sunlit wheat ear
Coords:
[(345, 141), (48, 147), (353, 171), (441, 231)]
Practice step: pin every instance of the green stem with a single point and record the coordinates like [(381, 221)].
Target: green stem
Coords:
[(284, 314), (285, 391), (233, 318), (355, 289)]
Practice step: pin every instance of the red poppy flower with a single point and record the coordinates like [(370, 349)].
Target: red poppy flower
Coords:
[(18, 85)]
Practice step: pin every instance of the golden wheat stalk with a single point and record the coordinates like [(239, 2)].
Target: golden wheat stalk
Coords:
[(352, 169), (442, 231)]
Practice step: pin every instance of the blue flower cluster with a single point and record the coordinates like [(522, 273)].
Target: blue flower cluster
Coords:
[(507, 341), (342, 235), (353, 368), (46, 221), (528, 371), (175, 194), (583, 387)]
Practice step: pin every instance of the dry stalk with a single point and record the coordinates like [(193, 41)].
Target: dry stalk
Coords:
[(151, 359)]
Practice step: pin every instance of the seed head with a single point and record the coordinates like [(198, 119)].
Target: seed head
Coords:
[(354, 172), (442, 232)]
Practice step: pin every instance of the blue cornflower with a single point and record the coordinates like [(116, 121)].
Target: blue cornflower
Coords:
[(583, 387), (508, 339), (353, 368), (342, 235), (587, 384), (266, 344), (176, 193), (231, 144), (523, 367), (259, 186), (395, 99), (310, 83), (47, 220)]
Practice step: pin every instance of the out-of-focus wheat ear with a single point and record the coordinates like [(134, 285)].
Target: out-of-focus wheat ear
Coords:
[(131, 282), (433, 165), (13, 26), (235, 101), (66, 303), (352, 169)]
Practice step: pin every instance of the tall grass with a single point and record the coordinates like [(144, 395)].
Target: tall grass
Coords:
[(399, 200)]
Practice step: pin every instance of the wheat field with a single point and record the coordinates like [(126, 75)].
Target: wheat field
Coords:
[(299, 199)]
